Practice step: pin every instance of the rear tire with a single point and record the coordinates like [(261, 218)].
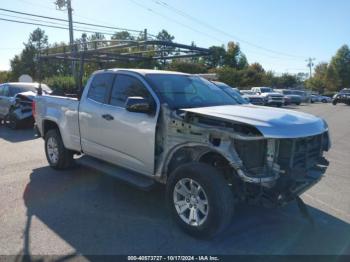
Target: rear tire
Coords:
[(56, 154), (191, 186), (11, 121)]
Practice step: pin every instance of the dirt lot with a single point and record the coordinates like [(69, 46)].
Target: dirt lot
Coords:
[(82, 212)]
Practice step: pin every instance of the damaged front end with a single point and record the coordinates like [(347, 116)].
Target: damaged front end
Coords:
[(21, 110), (292, 164), (261, 170)]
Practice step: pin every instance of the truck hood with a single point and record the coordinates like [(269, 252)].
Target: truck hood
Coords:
[(271, 122), (29, 95), (252, 96), (271, 94)]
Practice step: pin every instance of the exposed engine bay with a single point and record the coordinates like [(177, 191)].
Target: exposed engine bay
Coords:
[(261, 170)]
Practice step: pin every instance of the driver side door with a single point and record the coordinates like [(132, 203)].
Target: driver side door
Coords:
[(129, 137), (4, 100)]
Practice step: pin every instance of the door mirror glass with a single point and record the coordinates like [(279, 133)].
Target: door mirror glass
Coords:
[(138, 105)]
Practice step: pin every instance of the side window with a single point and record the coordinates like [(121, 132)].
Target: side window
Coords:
[(6, 91), (127, 86), (1, 90), (100, 86)]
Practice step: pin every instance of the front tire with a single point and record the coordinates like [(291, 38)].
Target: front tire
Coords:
[(201, 201), (56, 154)]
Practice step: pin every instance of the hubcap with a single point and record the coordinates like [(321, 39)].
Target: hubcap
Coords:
[(52, 150), (191, 202)]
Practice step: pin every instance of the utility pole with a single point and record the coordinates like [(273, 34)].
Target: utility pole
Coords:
[(310, 64), (61, 4), (145, 34)]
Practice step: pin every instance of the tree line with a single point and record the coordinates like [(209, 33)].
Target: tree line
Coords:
[(228, 62)]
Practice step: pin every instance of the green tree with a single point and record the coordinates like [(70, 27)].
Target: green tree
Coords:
[(5, 76), (257, 67), (26, 62), (333, 81), (319, 80), (234, 57), (122, 35), (340, 63), (216, 57), (187, 67), (165, 50), (165, 36)]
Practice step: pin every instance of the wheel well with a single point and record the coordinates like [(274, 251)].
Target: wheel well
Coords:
[(214, 159), (199, 154), (49, 125)]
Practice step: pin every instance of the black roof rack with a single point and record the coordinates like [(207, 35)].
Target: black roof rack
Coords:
[(105, 51), (109, 51)]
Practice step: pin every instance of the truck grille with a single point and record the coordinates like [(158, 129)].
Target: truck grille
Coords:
[(256, 100), (301, 153), (276, 98)]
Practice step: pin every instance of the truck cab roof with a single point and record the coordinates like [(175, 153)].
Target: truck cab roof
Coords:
[(141, 71)]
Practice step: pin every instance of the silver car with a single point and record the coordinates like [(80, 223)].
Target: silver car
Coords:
[(16, 100)]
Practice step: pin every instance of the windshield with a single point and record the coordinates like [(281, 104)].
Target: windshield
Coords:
[(16, 89), (265, 90), (299, 93), (186, 91), (285, 92), (245, 92), (345, 91), (232, 92)]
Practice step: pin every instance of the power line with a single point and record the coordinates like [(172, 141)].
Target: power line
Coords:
[(76, 22), (32, 19), (184, 14), (177, 22), (52, 26), (50, 8), (59, 25)]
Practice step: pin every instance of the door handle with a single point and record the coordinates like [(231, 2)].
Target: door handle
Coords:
[(108, 117)]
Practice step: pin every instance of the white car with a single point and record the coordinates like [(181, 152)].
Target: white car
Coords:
[(269, 95)]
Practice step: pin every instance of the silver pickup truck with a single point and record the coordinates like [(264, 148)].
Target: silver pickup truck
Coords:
[(151, 127)]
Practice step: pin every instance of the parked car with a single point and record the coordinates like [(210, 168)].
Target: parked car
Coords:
[(305, 96), (324, 99), (233, 92), (342, 97), (180, 130), (287, 100), (252, 97), (320, 98), (314, 98), (16, 102), (290, 97), (270, 97)]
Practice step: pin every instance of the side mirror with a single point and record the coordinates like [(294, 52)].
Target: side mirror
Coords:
[(138, 104)]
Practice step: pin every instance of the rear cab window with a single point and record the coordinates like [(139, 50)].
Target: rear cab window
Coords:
[(100, 87)]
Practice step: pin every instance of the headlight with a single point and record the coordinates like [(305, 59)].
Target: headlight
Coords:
[(325, 124)]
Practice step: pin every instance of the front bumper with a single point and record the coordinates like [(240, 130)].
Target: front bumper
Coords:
[(291, 185), (274, 101)]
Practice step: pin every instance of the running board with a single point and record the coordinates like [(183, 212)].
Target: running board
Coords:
[(128, 176)]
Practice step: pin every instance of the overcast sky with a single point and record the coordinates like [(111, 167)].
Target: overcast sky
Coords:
[(278, 34)]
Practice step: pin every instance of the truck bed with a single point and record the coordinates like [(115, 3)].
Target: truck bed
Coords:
[(63, 110)]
